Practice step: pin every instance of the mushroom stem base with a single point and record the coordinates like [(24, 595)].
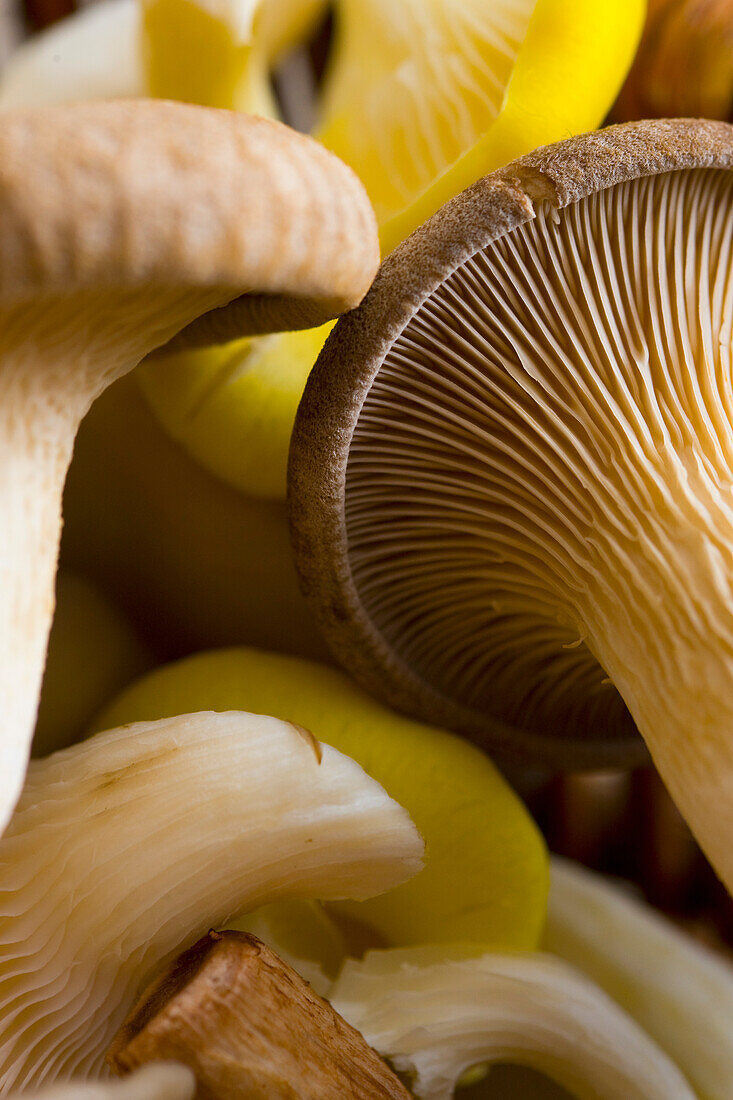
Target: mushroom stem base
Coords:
[(683, 708)]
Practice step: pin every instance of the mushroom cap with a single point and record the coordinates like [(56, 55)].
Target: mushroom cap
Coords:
[(126, 193), (340, 390)]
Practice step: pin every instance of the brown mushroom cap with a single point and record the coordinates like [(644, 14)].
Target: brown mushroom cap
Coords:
[(103, 195), (408, 484)]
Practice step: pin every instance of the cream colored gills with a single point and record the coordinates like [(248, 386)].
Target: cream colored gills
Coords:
[(102, 874), (539, 484), (157, 1082), (436, 81)]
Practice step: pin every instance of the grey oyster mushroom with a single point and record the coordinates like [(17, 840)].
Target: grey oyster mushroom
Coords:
[(511, 478), (123, 223)]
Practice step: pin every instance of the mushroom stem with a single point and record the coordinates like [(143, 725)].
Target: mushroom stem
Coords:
[(48, 382), (248, 1025), (662, 629)]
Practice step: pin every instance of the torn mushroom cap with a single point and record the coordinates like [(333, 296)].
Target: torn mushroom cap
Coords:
[(437, 1012), (511, 472), (135, 842), (120, 224)]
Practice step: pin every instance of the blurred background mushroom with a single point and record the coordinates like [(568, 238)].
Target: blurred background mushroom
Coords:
[(684, 64), (439, 1012)]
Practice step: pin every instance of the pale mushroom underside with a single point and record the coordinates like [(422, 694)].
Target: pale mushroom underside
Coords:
[(554, 416), (127, 846)]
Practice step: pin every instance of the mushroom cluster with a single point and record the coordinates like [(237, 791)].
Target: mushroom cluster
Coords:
[(511, 503)]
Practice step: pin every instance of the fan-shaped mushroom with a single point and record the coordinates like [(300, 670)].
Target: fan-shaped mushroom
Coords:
[(678, 990), (121, 223), (512, 471), (130, 844)]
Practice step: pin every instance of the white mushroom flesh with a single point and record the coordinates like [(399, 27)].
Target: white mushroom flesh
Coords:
[(434, 1017), (539, 484), (165, 1081), (93, 54), (679, 991), (133, 844)]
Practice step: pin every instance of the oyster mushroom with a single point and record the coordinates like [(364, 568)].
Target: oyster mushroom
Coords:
[(677, 989), (166, 1081), (123, 223), (512, 470), (132, 844), (437, 1012)]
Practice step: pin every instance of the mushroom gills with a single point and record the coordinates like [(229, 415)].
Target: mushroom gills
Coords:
[(103, 873), (538, 487)]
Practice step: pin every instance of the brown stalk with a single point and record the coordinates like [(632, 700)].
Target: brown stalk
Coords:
[(250, 1028)]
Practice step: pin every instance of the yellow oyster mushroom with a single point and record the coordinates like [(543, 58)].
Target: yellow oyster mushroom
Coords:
[(201, 397), (464, 87), (218, 52), (423, 98), (486, 873)]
